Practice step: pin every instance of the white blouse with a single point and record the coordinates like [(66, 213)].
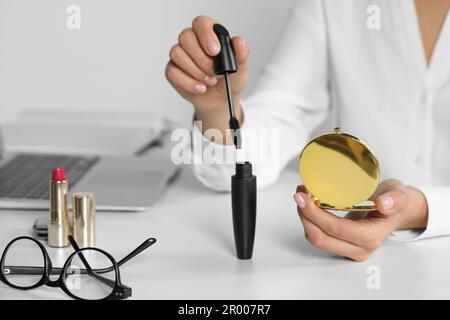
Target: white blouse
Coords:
[(375, 83)]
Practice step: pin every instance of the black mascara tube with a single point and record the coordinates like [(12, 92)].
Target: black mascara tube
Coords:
[(243, 193)]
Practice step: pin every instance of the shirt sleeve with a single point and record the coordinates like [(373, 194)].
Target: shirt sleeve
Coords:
[(289, 102), (438, 216)]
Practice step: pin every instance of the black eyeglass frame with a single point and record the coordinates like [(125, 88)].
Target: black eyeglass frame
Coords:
[(119, 292)]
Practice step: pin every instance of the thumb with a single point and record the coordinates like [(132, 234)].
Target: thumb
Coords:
[(391, 203), (241, 50)]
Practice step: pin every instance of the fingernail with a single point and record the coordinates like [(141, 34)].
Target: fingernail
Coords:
[(212, 47), (200, 88), (300, 201), (387, 202), (211, 81)]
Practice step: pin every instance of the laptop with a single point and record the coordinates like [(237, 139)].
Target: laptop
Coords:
[(120, 183)]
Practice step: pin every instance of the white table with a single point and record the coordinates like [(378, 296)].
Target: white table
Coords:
[(194, 257)]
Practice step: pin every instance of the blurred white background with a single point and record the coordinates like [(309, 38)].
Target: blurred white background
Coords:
[(117, 60)]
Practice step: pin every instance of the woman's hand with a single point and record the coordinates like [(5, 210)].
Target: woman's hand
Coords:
[(190, 71), (358, 235)]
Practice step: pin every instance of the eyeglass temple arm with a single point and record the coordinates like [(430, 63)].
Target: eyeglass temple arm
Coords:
[(146, 244), (77, 248), (22, 270), (89, 270), (38, 271)]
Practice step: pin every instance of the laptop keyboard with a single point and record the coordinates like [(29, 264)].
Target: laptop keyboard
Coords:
[(27, 176)]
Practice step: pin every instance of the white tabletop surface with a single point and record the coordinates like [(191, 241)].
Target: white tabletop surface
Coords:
[(194, 257)]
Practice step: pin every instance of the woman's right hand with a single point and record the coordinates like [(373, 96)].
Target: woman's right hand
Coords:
[(190, 71)]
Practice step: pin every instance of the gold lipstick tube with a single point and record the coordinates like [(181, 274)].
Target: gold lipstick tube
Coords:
[(83, 219), (58, 226)]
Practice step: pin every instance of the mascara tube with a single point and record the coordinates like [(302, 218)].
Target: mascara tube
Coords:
[(58, 226), (243, 194)]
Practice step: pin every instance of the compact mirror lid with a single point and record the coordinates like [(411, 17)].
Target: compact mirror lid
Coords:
[(340, 171)]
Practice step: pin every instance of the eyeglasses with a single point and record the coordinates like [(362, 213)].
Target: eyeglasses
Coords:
[(88, 273)]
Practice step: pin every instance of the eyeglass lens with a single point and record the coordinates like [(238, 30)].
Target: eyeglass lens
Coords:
[(23, 255), (90, 283)]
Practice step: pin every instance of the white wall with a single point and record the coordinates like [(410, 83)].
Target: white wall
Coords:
[(117, 59)]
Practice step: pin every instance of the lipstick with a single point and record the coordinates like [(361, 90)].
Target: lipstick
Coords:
[(58, 226)]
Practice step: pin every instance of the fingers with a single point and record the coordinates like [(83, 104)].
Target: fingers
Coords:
[(342, 235), (367, 234), (203, 28), (192, 57), (391, 202), (321, 240), (357, 215), (387, 185), (182, 60), (334, 226), (188, 41), (304, 190), (242, 52), (182, 81)]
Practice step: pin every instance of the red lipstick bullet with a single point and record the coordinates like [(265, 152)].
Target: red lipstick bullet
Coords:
[(58, 226)]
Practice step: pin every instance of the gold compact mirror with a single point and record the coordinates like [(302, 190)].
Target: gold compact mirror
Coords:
[(340, 171)]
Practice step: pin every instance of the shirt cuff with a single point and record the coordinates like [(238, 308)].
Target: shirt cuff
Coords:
[(214, 164), (438, 218), (207, 170)]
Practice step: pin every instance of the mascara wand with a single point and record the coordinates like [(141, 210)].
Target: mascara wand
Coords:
[(243, 183), (225, 64)]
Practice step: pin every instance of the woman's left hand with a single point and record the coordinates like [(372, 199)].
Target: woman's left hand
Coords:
[(358, 235)]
